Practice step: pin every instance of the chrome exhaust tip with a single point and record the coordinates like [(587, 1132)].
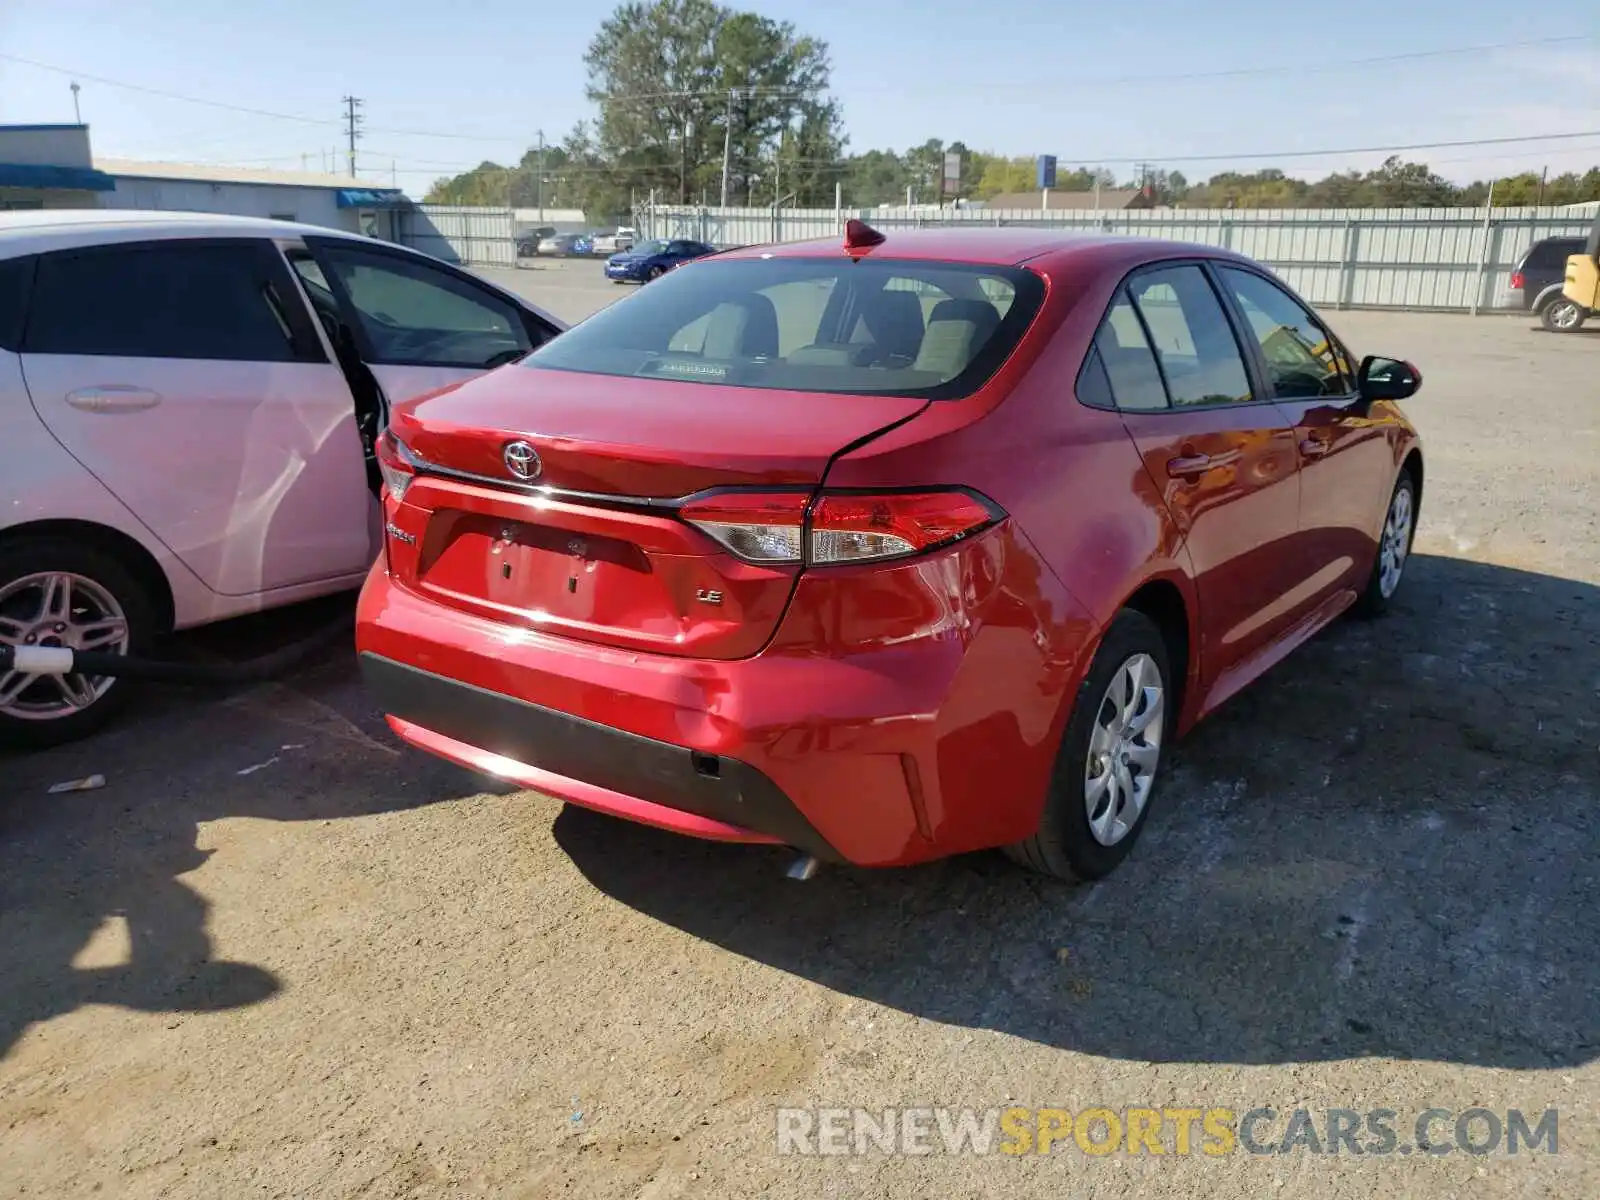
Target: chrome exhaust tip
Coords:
[(802, 868)]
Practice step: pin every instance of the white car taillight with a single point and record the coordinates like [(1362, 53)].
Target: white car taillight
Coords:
[(396, 464)]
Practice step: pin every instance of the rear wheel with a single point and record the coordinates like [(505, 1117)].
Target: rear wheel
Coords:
[(1561, 315), (57, 593), (1106, 771)]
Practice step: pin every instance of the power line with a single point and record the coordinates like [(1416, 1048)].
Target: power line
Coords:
[(238, 108), (1146, 160), (1146, 79), (1282, 154)]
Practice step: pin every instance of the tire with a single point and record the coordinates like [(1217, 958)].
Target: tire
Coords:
[(1381, 588), (654, 273), (1066, 845), (1560, 315), (101, 586)]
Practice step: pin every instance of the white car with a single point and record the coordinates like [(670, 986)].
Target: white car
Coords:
[(607, 244), (188, 405)]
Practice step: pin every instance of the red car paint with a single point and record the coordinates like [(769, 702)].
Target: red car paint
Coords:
[(907, 709)]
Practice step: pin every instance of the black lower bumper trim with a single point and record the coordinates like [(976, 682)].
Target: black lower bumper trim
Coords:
[(575, 748)]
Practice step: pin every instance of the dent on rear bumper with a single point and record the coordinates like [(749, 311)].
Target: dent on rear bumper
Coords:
[(907, 712)]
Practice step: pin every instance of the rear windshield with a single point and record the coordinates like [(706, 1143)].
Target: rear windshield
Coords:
[(931, 330)]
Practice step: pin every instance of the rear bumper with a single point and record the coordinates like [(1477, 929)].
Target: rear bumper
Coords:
[(595, 765), (896, 715)]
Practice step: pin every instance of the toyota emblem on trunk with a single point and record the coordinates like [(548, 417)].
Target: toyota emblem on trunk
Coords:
[(522, 460)]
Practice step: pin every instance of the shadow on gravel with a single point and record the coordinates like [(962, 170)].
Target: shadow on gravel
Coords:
[(1385, 848), (68, 862)]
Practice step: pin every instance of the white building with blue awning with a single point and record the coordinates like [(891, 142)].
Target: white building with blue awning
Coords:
[(52, 166)]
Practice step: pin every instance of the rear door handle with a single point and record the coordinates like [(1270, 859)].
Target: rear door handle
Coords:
[(113, 397), (1313, 447), (1189, 464), (1197, 464)]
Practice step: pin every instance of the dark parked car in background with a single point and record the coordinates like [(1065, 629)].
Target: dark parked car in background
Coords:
[(649, 260), (528, 243), (1538, 276)]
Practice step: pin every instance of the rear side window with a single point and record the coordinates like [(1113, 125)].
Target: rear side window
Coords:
[(1199, 355), (930, 330), (1129, 363), (16, 281), (159, 300), (1552, 254)]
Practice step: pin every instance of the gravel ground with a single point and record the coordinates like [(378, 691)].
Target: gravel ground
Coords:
[(280, 955)]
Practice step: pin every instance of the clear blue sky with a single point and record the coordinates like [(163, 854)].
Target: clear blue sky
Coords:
[(1014, 76)]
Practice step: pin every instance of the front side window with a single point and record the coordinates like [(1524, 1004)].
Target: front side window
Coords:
[(1199, 356), (842, 326), (161, 300), (414, 314), (1303, 362)]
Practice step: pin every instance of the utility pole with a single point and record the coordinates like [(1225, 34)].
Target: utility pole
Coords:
[(541, 177), (727, 144), (352, 119), (1543, 175), (683, 160), (77, 117)]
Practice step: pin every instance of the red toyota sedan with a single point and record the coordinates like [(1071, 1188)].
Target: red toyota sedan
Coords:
[(890, 549)]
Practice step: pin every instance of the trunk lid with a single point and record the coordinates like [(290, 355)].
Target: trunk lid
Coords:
[(602, 556)]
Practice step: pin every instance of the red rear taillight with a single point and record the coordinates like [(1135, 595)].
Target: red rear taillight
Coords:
[(396, 464), (772, 528), (1516, 280)]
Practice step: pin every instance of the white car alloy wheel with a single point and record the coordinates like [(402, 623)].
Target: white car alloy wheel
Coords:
[(1396, 544), (57, 608), (1124, 749)]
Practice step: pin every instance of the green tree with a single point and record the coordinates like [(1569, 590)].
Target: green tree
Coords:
[(676, 79), (875, 177), (1401, 184)]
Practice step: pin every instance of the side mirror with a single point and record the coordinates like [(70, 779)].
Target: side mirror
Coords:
[(1387, 379)]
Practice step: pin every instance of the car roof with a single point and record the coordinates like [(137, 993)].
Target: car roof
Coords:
[(33, 230), (36, 231), (997, 246)]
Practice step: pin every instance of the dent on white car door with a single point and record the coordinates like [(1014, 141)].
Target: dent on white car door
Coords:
[(186, 376), (420, 325)]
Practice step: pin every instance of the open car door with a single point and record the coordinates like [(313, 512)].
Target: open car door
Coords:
[(415, 323)]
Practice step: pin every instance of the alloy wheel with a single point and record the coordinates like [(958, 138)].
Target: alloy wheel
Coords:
[(1396, 543), (60, 609), (1124, 749), (1564, 314)]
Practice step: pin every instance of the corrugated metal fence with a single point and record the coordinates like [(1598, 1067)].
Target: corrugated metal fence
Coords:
[(1446, 259), (470, 236)]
